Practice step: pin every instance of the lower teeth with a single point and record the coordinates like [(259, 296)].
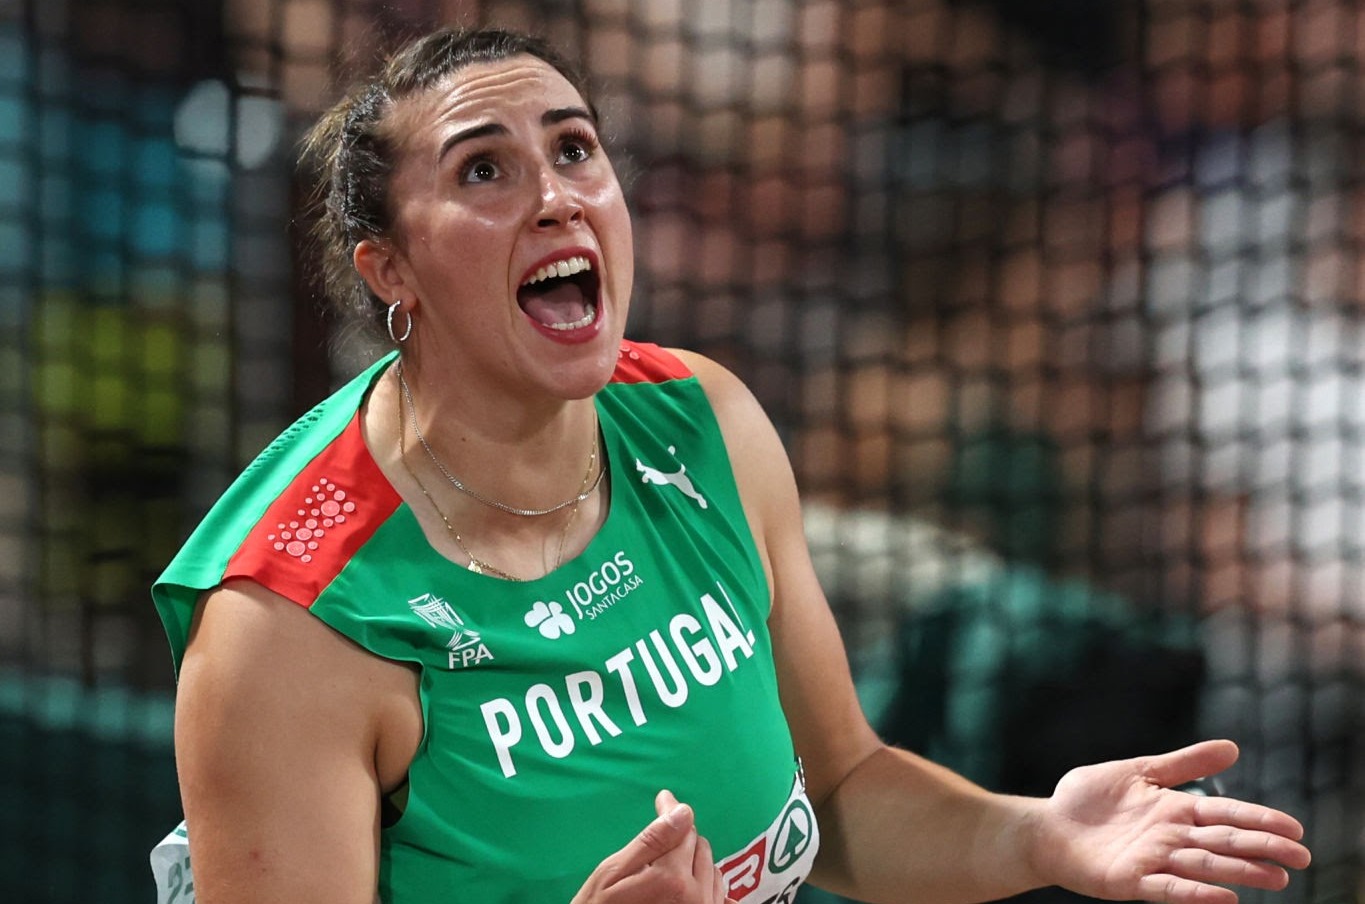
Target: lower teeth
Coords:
[(583, 321)]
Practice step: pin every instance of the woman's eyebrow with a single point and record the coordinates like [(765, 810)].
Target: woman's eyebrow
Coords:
[(559, 114), (491, 128), (548, 118)]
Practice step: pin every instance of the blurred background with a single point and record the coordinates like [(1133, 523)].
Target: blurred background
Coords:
[(1059, 306)]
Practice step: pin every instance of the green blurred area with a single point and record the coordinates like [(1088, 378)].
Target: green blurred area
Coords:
[(87, 787)]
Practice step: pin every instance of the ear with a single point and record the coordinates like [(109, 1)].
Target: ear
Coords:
[(378, 264)]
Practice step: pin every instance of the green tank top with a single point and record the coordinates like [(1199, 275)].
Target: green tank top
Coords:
[(554, 709)]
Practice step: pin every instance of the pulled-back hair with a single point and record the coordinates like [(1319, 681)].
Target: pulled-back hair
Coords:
[(348, 156)]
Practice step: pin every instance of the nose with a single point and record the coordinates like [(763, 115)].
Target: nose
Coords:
[(559, 203)]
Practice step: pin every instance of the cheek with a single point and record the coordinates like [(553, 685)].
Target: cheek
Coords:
[(614, 216), (473, 241), (623, 228), (619, 239)]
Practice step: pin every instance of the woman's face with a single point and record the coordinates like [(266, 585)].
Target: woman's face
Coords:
[(511, 230)]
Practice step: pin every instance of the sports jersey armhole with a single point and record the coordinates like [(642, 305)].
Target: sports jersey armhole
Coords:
[(648, 363)]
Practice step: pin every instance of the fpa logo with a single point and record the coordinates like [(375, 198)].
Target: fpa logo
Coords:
[(466, 646)]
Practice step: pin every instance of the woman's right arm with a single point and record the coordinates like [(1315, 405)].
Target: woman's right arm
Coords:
[(286, 733)]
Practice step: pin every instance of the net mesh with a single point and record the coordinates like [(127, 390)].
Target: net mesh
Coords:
[(1056, 305)]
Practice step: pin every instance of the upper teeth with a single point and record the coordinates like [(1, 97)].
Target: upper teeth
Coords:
[(559, 268)]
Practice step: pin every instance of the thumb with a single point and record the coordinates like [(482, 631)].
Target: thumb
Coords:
[(669, 829), (1189, 763), (664, 801)]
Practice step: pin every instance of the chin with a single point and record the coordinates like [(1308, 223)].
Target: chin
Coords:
[(583, 378), (566, 371)]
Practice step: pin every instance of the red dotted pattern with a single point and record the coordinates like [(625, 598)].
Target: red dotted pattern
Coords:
[(317, 523), (324, 509)]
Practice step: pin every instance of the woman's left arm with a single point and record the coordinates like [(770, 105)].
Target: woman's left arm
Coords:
[(896, 827)]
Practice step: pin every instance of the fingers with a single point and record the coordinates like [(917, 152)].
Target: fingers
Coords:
[(1275, 847), (1235, 843), (1206, 866), (705, 873), (1193, 873), (667, 861), (681, 856), (705, 870), (1169, 889), (1228, 811), (1189, 763), (703, 864), (669, 831)]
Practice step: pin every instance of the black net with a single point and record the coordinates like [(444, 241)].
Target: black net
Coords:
[(1058, 306)]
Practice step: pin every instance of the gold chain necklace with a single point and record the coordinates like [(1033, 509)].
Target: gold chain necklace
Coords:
[(477, 565), (584, 491)]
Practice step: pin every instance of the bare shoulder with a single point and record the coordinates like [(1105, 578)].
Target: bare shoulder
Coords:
[(240, 624), (255, 655), (286, 736)]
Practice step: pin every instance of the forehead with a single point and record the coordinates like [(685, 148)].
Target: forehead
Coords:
[(482, 93)]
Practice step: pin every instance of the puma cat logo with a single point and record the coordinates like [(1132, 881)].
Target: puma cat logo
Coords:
[(678, 478)]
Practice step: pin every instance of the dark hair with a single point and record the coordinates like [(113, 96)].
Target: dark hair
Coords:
[(348, 155)]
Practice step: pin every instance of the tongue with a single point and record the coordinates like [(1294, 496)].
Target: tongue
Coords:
[(562, 302)]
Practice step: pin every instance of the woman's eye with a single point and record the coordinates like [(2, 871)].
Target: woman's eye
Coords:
[(573, 152), (479, 171), (576, 149)]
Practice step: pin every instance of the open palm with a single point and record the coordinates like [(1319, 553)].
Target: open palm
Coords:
[(1118, 831)]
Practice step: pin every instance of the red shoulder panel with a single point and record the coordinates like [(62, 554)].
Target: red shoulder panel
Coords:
[(316, 525), (645, 362)]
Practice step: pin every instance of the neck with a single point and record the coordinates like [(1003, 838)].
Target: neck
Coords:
[(470, 533), (530, 470)]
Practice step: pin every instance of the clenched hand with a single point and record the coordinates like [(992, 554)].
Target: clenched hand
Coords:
[(667, 863)]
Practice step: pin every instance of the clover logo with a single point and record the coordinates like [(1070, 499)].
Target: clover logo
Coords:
[(550, 619)]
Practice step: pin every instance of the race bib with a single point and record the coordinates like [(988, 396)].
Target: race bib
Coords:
[(171, 868), (771, 868)]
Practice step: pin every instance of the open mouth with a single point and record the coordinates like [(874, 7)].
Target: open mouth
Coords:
[(561, 295)]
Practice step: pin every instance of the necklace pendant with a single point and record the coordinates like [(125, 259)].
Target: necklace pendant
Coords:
[(474, 566)]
